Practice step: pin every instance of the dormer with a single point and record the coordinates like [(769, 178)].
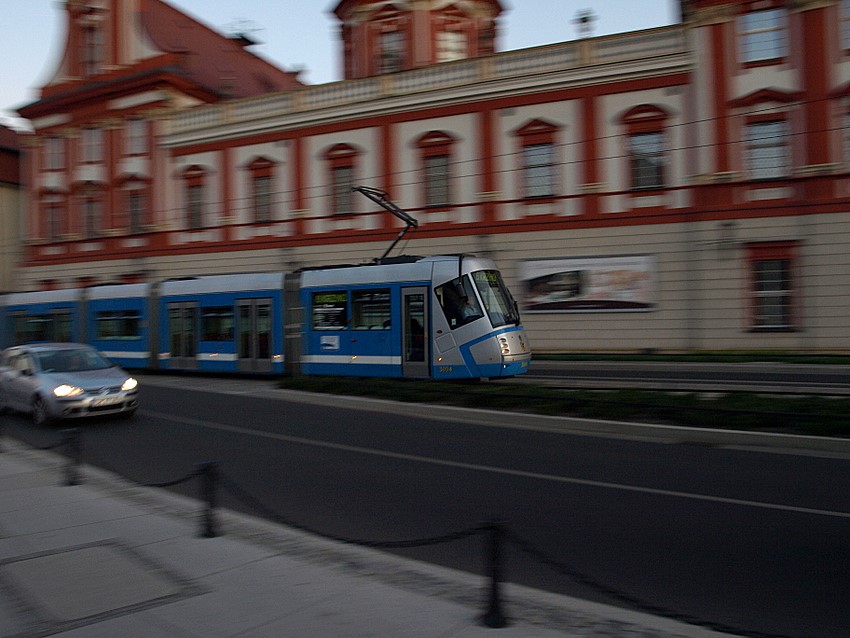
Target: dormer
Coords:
[(384, 36), (87, 38)]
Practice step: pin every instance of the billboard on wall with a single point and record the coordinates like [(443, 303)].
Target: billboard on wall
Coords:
[(624, 283)]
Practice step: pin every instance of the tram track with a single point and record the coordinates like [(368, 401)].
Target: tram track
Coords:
[(762, 378)]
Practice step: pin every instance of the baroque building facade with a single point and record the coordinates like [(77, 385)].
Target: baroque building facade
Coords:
[(685, 188)]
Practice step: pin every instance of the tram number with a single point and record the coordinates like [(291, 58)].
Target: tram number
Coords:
[(444, 369)]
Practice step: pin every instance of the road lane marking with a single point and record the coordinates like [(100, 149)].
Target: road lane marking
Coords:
[(496, 470)]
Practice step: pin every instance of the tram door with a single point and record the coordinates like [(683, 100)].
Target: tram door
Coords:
[(254, 327), (183, 335), (414, 333)]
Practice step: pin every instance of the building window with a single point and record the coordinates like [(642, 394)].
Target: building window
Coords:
[(647, 160), (194, 187), (195, 205), (341, 159), (343, 181), (92, 145), (767, 151), (644, 126), (54, 216), (261, 176), (392, 51), (539, 165), (435, 148), (772, 291), (437, 180), (539, 170), (91, 53), (54, 154), (136, 140), (846, 139), (263, 198), (763, 35), (92, 213), (136, 209), (451, 45), (845, 24)]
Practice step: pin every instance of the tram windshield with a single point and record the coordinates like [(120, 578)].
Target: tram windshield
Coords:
[(498, 302), (459, 303)]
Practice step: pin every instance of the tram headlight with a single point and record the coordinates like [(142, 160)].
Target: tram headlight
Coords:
[(506, 349)]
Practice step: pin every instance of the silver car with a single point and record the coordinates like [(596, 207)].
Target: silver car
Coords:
[(63, 381)]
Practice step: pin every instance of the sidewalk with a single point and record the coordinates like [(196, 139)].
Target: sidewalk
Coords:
[(106, 558)]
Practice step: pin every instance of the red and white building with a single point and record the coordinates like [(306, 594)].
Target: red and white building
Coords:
[(685, 188)]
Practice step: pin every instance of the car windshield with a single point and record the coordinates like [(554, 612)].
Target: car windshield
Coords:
[(71, 360), (498, 302)]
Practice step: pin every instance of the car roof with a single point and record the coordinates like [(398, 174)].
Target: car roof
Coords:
[(50, 347)]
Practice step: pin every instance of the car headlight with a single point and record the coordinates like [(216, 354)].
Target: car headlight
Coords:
[(129, 384), (66, 390)]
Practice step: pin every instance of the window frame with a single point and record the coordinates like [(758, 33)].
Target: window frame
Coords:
[(342, 172), (54, 153), (436, 186), (751, 31), (92, 140), (788, 296), (537, 135), (194, 196), (756, 147), (136, 136)]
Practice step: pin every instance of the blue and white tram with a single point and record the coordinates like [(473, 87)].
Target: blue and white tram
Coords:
[(439, 317), (443, 317)]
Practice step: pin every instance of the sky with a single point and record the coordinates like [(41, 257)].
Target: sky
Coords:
[(32, 35)]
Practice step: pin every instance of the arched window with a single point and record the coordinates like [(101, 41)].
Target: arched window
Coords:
[(537, 141), (90, 199), (435, 148), (261, 174), (646, 147), (194, 196), (53, 207), (341, 160)]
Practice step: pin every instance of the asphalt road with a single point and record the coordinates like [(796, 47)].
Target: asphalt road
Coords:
[(739, 539)]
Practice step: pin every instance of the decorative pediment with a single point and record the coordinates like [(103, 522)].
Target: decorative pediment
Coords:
[(766, 96), (536, 127)]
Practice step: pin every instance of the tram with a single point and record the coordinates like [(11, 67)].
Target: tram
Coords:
[(440, 317)]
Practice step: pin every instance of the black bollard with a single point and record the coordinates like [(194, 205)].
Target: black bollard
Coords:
[(493, 617), (209, 478), (74, 447)]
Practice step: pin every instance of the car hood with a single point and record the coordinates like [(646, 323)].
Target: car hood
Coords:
[(89, 380)]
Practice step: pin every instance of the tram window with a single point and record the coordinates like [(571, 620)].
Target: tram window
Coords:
[(498, 302), (459, 303), (217, 323), (330, 310), (370, 309), (55, 326), (118, 324)]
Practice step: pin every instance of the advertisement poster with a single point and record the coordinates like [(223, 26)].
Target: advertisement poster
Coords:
[(589, 284)]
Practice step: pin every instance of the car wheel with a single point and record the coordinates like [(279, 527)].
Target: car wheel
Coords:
[(40, 417), (129, 415)]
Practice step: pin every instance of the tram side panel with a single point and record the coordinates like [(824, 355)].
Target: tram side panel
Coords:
[(50, 315), (352, 330), (227, 324), (118, 323)]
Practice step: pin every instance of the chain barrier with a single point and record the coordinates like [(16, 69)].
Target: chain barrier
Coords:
[(632, 601), (243, 495)]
